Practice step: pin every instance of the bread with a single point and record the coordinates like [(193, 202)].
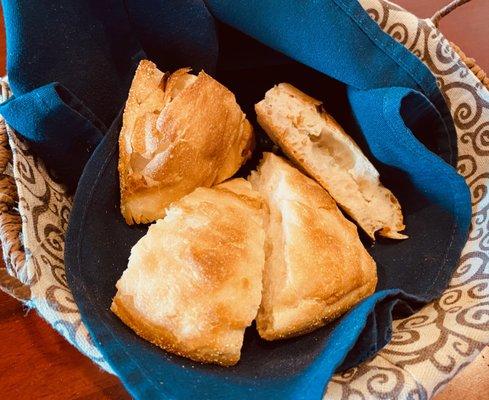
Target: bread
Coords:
[(316, 268), (179, 132), (319, 146), (194, 281)]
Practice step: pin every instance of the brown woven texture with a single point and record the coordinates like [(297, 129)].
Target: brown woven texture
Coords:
[(472, 65), (10, 220), (470, 62)]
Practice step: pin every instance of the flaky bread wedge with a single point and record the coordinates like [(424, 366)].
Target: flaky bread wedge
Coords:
[(179, 132), (320, 147), (316, 268), (194, 281)]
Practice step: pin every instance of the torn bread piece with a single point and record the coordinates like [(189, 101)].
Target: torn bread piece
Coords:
[(318, 145), (194, 281), (179, 132), (316, 267)]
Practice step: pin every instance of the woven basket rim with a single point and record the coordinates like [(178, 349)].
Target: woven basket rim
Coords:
[(10, 220)]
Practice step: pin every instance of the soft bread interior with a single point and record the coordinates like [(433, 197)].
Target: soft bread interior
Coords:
[(151, 100), (274, 273), (152, 91), (315, 141), (316, 267), (194, 281)]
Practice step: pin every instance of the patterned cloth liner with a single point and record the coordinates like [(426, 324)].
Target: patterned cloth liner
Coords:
[(44, 207), (427, 349)]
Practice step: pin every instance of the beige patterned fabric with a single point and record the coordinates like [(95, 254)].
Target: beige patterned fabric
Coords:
[(427, 349)]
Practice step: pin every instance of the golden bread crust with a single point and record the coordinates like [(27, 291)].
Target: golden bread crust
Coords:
[(179, 132), (193, 282), (316, 266)]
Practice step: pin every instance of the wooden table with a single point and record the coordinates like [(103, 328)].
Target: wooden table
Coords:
[(37, 363)]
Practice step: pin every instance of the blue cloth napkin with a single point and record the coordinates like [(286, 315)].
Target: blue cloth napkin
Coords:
[(70, 64)]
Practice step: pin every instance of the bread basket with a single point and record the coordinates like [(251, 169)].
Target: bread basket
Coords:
[(427, 350)]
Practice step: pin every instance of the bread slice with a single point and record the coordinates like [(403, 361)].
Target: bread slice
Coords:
[(319, 146), (316, 268), (179, 132), (194, 281)]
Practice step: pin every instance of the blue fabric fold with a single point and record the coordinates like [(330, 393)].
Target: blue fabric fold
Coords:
[(39, 114), (399, 115), (381, 113)]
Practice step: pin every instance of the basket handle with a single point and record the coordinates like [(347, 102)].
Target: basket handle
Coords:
[(437, 17), (470, 62)]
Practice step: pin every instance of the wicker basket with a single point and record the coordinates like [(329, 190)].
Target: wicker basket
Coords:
[(13, 278)]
